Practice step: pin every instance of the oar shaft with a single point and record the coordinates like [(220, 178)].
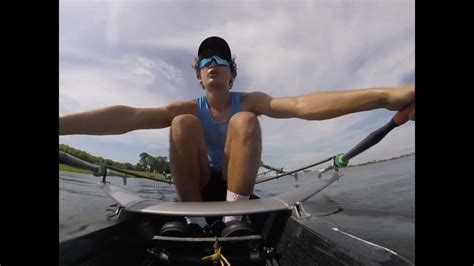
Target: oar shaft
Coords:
[(138, 175), (369, 141), (373, 138), (76, 162)]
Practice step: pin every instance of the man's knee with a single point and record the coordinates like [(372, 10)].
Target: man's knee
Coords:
[(245, 124), (184, 122), (185, 126)]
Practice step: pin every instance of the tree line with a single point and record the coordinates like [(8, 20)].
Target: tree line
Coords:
[(146, 163)]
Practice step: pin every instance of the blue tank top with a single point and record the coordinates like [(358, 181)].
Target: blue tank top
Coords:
[(215, 133)]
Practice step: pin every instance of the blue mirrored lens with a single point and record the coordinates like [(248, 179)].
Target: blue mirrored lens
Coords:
[(207, 61)]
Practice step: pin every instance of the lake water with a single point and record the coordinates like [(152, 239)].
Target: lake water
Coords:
[(375, 202)]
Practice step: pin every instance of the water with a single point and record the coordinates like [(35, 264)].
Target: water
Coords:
[(375, 202)]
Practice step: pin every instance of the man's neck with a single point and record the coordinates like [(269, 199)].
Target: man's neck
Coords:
[(218, 99)]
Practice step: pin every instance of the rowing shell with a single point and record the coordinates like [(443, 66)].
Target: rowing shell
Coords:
[(285, 201)]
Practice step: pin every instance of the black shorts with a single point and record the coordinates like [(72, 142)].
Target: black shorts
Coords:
[(216, 188)]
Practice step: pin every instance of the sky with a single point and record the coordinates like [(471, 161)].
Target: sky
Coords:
[(139, 53)]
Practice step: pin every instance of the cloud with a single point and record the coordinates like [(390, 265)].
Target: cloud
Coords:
[(128, 80)]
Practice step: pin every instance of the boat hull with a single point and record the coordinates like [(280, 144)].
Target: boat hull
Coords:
[(304, 241)]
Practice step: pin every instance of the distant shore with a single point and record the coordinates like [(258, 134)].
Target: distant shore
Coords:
[(383, 160)]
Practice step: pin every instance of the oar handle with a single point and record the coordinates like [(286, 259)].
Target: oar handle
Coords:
[(400, 118)]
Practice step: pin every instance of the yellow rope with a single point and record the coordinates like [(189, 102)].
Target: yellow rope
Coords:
[(217, 256)]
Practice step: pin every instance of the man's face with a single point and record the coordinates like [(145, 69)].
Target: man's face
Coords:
[(215, 75)]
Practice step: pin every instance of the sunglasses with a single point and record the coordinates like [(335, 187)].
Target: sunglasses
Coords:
[(205, 62)]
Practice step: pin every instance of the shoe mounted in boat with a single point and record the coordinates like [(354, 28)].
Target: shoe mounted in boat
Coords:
[(238, 228), (181, 229)]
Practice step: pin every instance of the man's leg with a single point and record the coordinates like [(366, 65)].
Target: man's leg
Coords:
[(189, 163), (243, 151)]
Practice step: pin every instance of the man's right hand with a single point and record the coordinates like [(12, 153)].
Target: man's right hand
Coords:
[(400, 97)]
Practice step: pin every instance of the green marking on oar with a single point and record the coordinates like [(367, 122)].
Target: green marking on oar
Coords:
[(340, 161), (101, 171)]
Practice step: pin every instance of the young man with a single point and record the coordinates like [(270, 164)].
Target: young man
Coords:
[(215, 140)]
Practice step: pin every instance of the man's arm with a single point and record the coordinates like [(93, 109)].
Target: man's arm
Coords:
[(326, 105), (120, 119)]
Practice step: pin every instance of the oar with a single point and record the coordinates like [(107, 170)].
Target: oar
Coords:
[(400, 118), (341, 160), (99, 170), (138, 175), (76, 162)]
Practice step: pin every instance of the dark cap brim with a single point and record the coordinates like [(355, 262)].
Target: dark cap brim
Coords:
[(214, 46)]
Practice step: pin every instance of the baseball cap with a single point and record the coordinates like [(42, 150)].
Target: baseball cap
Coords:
[(214, 46)]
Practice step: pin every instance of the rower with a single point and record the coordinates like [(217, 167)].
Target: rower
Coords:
[(216, 140)]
